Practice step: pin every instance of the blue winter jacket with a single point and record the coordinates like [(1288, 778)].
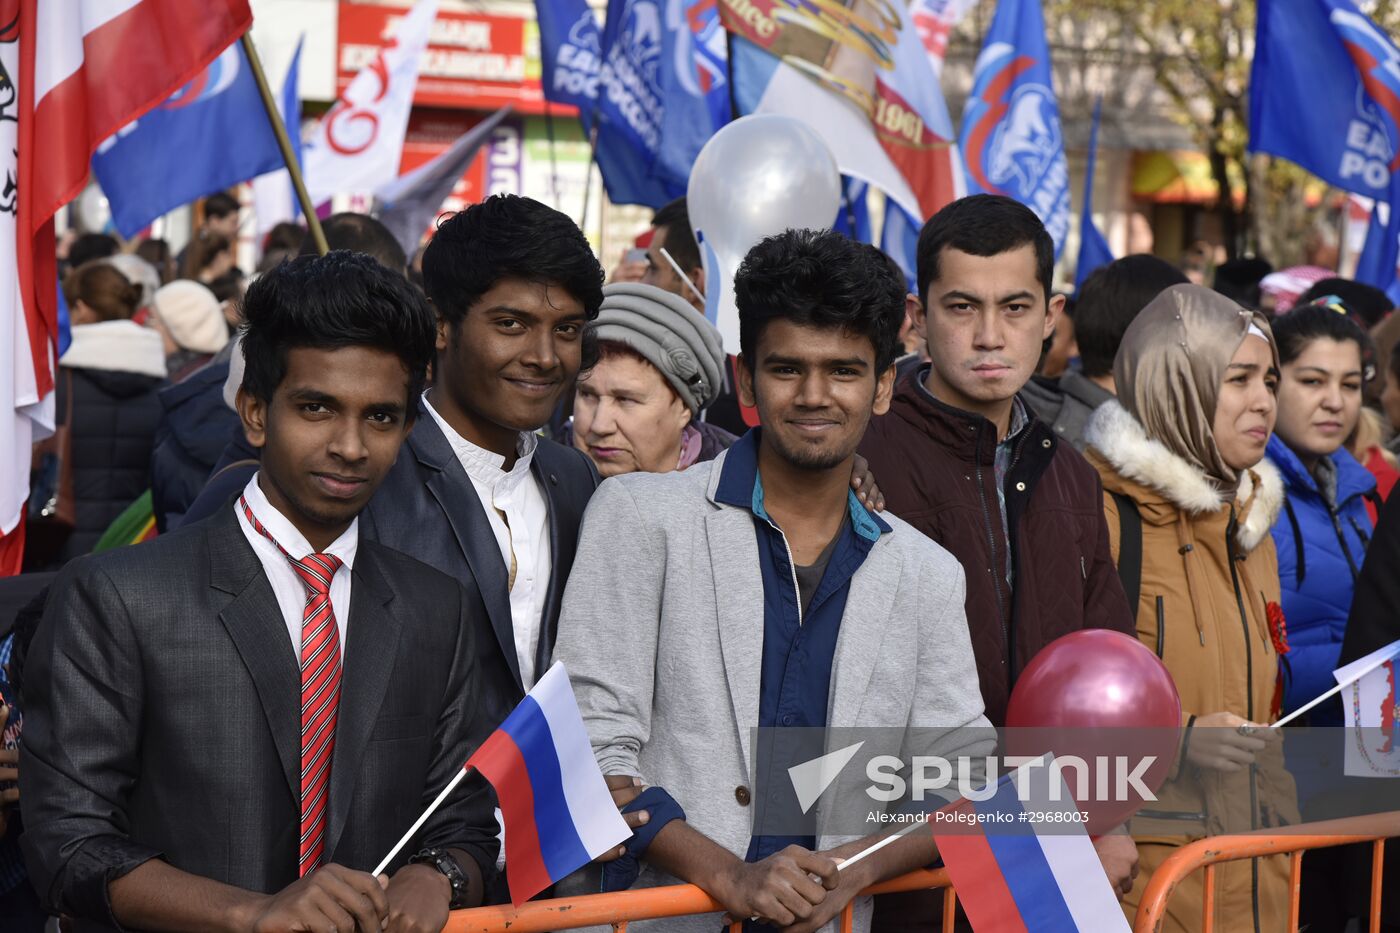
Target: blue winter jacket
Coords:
[(1320, 549)]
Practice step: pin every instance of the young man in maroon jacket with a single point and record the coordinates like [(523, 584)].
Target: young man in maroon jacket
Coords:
[(962, 458)]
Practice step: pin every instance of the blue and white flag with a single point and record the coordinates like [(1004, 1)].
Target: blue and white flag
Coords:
[(853, 217), (1011, 140), (900, 241), (1093, 248), (651, 115), (210, 134), (570, 54), (1325, 94)]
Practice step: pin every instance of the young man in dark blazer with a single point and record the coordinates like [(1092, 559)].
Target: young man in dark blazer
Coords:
[(476, 492), (229, 726)]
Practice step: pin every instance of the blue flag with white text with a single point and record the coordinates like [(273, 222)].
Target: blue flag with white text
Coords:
[(1325, 94), (570, 50), (651, 116), (210, 134), (1011, 140)]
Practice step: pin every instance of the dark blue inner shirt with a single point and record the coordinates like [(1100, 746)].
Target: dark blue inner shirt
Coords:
[(798, 647)]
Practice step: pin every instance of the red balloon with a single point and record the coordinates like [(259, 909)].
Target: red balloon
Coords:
[(1098, 694)]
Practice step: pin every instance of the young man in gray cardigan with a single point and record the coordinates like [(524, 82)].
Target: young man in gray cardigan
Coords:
[(756, 591)]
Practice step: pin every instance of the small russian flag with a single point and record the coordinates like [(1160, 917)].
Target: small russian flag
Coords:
[(558, 813), (1027, 866)]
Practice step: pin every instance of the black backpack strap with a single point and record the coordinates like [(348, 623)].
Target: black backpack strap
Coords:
[(1300, 563), (1373, 496), (1129, 548)]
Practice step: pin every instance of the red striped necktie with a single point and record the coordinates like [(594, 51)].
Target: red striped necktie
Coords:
[(320, 691)]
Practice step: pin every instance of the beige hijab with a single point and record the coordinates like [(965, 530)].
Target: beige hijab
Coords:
[(1171, 365)]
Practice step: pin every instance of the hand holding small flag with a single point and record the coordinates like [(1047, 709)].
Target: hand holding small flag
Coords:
[(558, 813)]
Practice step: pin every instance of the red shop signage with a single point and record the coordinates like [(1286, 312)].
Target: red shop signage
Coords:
[(474, 60)]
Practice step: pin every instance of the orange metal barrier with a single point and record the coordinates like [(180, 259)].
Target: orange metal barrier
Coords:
[(617, 910), (1207, 853), (650, 904)]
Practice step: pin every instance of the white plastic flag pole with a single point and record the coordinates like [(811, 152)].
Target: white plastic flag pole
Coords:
[(1356, 675), (904, 830), (684, 278), (418, 823)]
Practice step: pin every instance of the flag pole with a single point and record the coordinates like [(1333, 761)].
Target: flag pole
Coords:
[(553, 159), (418, 823), (1333, 692), (903, 831), (284, 142)]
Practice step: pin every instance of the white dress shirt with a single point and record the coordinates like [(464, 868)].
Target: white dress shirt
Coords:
[(522, 534), (286, 585)]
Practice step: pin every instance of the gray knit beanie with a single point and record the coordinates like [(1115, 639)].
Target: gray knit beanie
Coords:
[(669, 333)]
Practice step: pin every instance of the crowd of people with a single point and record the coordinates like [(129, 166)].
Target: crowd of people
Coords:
[(874, 512)]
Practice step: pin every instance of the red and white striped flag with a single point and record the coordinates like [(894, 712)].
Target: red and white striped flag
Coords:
[(75, 72)]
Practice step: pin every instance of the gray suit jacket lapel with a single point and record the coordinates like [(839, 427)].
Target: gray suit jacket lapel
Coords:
[(254, 622), (863, 628), (371, 648), (738, 586)]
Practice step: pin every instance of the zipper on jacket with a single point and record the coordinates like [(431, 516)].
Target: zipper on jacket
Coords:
[(1342, 540), (1230, 529), (1161, 629), (998, 569)]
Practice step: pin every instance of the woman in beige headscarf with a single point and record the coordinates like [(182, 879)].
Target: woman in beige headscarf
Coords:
[(1183, 450)]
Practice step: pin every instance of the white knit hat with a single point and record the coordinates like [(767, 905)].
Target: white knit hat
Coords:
[(192, 315)]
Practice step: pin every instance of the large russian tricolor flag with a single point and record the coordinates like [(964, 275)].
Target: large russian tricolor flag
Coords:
[(1027, 866), (558, 813)]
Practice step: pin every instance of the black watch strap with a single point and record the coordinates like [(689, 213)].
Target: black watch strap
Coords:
[(443, 861)]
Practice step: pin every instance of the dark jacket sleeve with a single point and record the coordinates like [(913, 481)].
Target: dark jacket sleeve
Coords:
[(467, 821), (84, 700), (1375, 608), (1105, 603)]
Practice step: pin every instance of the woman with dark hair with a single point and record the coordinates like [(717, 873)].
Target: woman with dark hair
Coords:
[(1323, 533), (1321, 538), (1190, 500), (108, 380)]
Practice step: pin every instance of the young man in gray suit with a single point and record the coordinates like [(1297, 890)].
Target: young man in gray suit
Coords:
[(756, 591), (197, 754)]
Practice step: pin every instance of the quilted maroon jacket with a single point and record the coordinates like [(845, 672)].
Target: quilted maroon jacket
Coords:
[(935, 465)]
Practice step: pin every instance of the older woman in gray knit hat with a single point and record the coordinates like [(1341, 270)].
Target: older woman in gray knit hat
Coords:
[(660, 362)]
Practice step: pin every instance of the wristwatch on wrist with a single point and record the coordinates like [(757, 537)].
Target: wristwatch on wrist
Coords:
[(443, 861)]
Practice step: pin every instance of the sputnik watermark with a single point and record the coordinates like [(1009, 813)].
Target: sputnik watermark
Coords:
[(1113, 778)]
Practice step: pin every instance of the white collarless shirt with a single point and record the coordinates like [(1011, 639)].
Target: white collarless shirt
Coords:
[(516, 508), (286, 585)]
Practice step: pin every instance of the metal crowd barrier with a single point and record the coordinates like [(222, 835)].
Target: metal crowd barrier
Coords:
[(1205, 854), (679, 900), (618, 910)]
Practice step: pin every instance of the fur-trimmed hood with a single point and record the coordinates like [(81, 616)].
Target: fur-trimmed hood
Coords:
[(1142, 461)]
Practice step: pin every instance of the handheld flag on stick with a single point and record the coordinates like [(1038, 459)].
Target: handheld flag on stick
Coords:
[(1345, 676), (1022, 860), (558, 813), (1372, 713)]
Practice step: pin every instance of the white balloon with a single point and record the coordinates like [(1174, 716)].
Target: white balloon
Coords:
[(756, 177), (94, 210)]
